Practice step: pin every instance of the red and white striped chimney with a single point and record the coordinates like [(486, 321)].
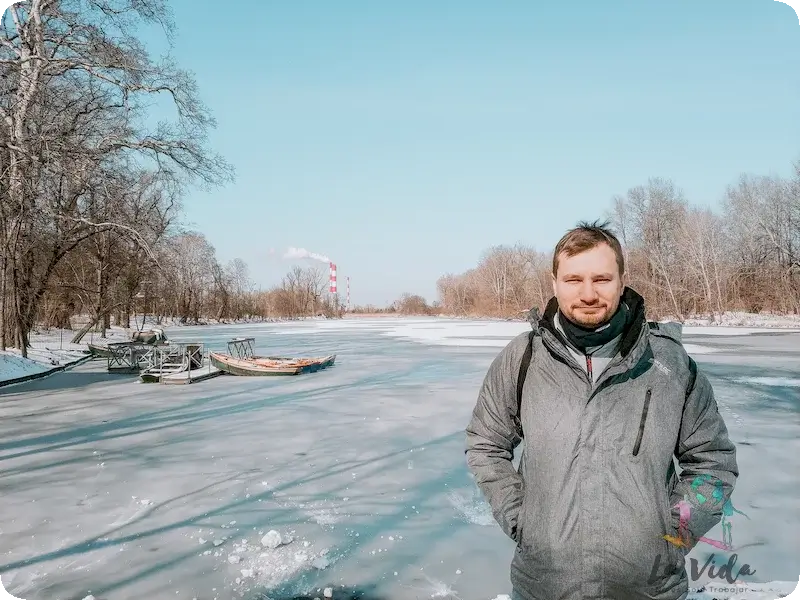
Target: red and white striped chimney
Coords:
[(333, 278)]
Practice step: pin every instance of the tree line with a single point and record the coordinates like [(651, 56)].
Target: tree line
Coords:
[(92, 179), (685, 260), (92, 183), (184, 283)]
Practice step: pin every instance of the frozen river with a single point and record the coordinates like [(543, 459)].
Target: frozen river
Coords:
[(125, 490)]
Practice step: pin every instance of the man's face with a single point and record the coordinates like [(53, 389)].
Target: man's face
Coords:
[(588, 286)]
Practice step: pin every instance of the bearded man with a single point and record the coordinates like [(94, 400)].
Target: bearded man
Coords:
[(604, 403)]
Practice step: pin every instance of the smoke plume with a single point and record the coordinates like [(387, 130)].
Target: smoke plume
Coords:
[(297, 253)]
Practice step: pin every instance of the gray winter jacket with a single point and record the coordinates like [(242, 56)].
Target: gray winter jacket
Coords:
[(596, 490)]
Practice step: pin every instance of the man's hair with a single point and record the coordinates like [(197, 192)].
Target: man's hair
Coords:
[(585, 237)]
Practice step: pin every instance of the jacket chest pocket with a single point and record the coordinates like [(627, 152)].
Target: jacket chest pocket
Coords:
[(653, 424), (632, 418), (640, 431)]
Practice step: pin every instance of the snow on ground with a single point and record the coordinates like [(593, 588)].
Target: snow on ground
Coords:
[(743, 319), (125, 490), (728, 330), (13, 366), (58, 340), (51, 348)]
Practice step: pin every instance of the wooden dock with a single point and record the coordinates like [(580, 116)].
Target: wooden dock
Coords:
[(207, 371)]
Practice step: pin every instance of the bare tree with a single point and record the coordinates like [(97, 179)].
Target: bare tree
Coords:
[(655, 212), (701, 239), (412, 304), (73, 101), (683, 259), (457, 294)]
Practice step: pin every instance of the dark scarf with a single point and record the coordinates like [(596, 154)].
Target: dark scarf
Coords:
[(583, 337)]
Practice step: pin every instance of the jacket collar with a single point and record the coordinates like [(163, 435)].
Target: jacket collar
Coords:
[(634, 343), (607, 350)]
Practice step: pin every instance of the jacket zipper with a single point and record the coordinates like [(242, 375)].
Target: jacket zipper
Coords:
[(638, 443), (589, 367)]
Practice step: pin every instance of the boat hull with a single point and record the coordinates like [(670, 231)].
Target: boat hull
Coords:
[(266, 366), (148, 377), (99, 351)]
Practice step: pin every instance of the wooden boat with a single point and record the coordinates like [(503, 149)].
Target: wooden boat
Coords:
[(241, 360), (270, 365), (99, 351), (149, 337), (153, 337)]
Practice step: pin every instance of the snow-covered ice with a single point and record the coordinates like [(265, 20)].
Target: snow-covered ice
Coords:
[(354, 476)]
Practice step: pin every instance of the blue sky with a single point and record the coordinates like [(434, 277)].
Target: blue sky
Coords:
[(403, 139)]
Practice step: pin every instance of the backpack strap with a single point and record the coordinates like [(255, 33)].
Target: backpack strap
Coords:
[(672, 330), (523, 373)]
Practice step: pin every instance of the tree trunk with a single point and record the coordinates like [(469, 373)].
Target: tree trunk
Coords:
[(98, 317), (3, 320)]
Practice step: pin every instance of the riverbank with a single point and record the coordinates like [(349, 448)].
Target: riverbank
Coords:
[(50, 352)]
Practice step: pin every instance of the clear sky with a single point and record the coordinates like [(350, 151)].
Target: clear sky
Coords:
[(403, 139)]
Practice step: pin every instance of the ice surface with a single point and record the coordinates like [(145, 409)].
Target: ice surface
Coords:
[(693, 349), (496, 334), (125, 490), (770, 381)]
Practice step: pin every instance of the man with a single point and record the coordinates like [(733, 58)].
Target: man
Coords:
[(608, 399)]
